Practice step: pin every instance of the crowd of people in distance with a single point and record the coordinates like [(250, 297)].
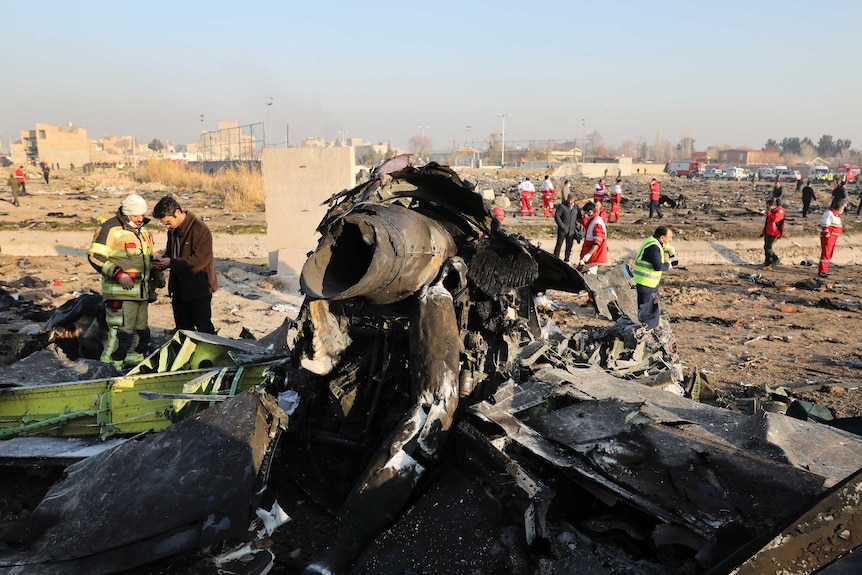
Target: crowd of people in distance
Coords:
[(587, 224)]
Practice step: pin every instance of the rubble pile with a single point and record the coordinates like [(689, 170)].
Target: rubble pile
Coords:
[(426, 398)]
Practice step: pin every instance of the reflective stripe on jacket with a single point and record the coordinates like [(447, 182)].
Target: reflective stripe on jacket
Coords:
[(120, 249), (643, 272)]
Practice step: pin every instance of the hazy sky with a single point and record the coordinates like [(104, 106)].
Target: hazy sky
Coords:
[(726, 73)]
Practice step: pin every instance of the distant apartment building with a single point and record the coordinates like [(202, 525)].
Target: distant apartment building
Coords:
[(62, 145), (116, 150), (748, 157)]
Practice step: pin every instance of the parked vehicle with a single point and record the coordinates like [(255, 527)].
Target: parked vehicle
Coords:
[(713, 174), (684, 168), (848, 172), (789, 176), (818, 173), (767, 174), (735, 174)]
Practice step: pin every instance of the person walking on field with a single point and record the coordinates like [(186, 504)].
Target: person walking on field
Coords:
[(831, 228), (839, 192), (616, 197), (777, 190), (46, 171), (595, 248), (807, 196), (772, 230), (568, 219), (548, 193), (122, 251), (652, 260), (654, 195), (527, 190), (22, 179), (189, 257), (12, 181), (599, 191)]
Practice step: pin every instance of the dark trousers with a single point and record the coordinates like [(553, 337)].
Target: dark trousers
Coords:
[(769, 254), (569, 240), (194, 314), (649, 306), (805, 205), (653, 206)]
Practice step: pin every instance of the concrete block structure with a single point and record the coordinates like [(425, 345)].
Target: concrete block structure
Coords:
[(297, 181), (63, 145)]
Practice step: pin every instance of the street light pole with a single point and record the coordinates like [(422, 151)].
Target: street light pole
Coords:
[(268, 101), (584, 129), (503, 140)]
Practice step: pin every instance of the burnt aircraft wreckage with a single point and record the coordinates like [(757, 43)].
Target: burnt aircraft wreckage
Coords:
[(429, 405)]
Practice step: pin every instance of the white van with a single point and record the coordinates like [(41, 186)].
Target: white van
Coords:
[(818, 173), (735, 174)]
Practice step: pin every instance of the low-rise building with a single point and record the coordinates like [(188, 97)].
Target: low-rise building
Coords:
[(61, 145)]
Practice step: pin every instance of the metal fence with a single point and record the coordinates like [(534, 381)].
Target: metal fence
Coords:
[(238, 143)]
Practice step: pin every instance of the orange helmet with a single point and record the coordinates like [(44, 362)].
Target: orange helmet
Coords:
[(499, 213)]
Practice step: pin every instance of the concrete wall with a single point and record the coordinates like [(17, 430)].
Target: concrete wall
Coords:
[(607, 170), (297, 181)]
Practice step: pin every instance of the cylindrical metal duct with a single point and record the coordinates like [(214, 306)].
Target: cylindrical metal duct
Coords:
[(382, 252)]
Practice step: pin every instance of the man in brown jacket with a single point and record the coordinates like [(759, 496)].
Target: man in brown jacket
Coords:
[(189, 256)]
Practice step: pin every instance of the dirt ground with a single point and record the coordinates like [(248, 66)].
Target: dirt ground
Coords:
[(746, 327)]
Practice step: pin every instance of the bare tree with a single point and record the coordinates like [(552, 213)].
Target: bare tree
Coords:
[(628, 148), (493, 154), (661, 147), (419, 145), (685, 147), (596, 141)]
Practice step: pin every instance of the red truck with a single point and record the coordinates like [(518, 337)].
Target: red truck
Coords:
[(684, 168)]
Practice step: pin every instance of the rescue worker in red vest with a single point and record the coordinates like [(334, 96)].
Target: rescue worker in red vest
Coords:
[(599, 191), (654, 196), (652, 260), (527, 190), (22, 179), (122, 251), (616, 197), (594, 250), (548, 193), (831, 228), (772, 230)]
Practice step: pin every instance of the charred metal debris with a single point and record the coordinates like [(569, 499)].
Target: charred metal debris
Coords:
[(424, 397)]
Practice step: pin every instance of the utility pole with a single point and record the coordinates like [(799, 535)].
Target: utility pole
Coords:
[(584, 130), (503, 140), (268, 101)]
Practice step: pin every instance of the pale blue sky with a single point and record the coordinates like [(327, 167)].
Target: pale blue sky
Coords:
[(725, 73)]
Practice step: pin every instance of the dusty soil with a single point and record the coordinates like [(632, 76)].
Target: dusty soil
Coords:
[(747, 327)]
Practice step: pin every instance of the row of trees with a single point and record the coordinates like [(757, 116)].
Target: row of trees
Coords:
[(792, 149), (826, 146)]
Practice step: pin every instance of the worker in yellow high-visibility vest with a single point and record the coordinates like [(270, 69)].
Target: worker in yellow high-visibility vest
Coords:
[(652, 260)]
